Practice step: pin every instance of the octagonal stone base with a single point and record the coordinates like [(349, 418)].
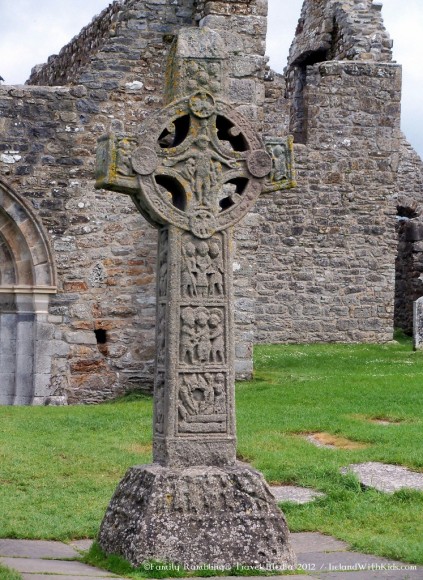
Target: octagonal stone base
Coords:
[(196, 516)]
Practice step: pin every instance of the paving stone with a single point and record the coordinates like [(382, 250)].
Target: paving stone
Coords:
[(305, 542), (82, 545), (36, 549), (384, 477), (38, 566), (293, 494)]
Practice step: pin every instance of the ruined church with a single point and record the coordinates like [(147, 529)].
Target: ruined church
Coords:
[(333, 251)]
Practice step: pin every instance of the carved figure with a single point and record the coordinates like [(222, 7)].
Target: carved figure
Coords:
[(202, 335), (200, 168), (159, 404), (219, 394), (217, 345), (279, 163), (203, 264), (162, 264), (205, 384), (188, 339), (187, 404), (216, 271), (189, 269), (161, 334), (124, 161)]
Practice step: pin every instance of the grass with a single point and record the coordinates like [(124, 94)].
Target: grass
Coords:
[(7, 574), (60, 466), (340, 390)]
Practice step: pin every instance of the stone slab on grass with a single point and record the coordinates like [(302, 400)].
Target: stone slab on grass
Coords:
[(304, 542), (58, 567), (384, 477), (37, 549), (294, 494)]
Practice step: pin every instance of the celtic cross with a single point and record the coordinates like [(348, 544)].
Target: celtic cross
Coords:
[(194, 169), (199, 169)]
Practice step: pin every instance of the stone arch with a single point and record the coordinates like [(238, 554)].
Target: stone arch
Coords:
[(27, 278), (25, 243)]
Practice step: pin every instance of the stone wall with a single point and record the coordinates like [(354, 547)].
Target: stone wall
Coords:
[(104, 254), (409, 260), (327, 250)]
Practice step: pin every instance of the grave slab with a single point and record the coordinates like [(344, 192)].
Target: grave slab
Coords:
[(418, 324), (293, 494), (82, 545), (384, 477), (303, 542)]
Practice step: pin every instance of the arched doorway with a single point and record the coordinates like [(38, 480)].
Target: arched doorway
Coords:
[(27, 278)]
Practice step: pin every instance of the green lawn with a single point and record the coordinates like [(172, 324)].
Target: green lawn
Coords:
[(59, 466), (7, 574)]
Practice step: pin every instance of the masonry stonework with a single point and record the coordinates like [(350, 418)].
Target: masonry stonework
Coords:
[(338, 258)]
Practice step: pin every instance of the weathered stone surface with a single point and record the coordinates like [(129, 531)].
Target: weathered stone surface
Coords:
[(194, 516), (418, 324), (384, 477), (294, 494), (36, 549), (50, 567)]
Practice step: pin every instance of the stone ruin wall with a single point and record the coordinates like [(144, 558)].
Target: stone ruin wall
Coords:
[(327, 248), (409, 260)]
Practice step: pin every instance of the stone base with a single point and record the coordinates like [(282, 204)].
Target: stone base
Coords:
[(196, 516)]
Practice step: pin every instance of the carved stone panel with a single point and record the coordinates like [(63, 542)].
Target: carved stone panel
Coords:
[(202, 337), (202, 403), (114, 169), (282, 175), (203, 268), (161, 334)]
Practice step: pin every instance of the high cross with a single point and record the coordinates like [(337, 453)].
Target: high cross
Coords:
[(194, 170), (199, 169)]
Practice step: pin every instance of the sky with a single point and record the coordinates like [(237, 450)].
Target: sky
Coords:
[(32, 30)]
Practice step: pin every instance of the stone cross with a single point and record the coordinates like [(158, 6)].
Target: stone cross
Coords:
[(194, 170), (418, 324)]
